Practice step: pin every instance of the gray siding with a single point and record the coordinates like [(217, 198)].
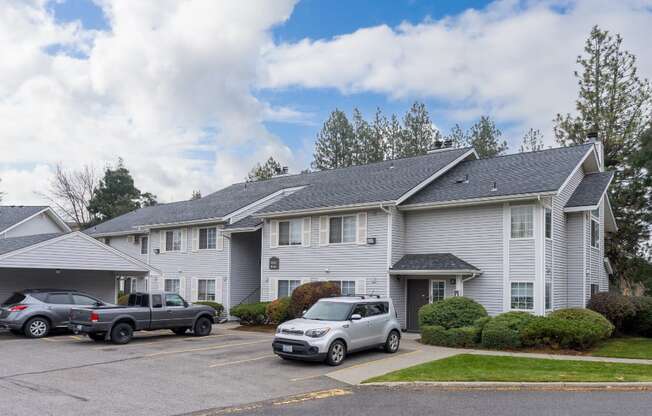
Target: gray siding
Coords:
[(245, 267), (41, 224), (575, 258), (474, 234), (521, 259)]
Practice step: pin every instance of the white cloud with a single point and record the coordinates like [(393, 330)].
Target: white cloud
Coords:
[(513, 60), (168, 88)]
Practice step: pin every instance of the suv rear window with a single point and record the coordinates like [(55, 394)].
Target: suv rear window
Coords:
[(14, 299), (59, 299)]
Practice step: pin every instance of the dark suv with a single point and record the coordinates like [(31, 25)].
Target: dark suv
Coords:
[(34, 312)]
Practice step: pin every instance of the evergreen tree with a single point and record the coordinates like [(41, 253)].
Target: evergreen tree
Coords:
[(532, 141), (615, 102), (484, 136), (457, 136), (369, 145), (268, 170), (393, 137), (335, 145), (195, 195), (418, 133)]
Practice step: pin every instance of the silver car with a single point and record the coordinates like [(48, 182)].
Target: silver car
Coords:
[(34, 312), (333, 327)]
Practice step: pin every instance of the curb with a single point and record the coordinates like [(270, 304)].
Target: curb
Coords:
[(491, 385)]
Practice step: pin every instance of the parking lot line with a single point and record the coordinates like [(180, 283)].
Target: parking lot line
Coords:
[(240, 361), (316, 395), (215, 347), (137, 344)]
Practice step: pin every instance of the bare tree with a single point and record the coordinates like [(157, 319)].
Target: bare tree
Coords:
[(70, 192)]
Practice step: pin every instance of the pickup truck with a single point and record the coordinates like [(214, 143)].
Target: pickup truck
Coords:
[(143, 312)]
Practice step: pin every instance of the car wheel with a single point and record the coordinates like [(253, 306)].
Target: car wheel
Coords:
[(180, 331), (37, 327), (393, 342), (203, 327), (97, 337), (16, 332), (336, 353), (122, 333)]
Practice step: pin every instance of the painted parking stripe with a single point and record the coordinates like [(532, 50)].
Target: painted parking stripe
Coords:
[(241, 361), (316, 395), (113, 347), (215, 347)]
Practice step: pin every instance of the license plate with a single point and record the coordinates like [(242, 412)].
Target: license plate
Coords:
[(287, 348)]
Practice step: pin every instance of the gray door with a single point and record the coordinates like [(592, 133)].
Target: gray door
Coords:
[(179, 315), (417, 296)]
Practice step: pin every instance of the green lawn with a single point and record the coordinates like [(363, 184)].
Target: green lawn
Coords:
[(469, 367), (625, 348)]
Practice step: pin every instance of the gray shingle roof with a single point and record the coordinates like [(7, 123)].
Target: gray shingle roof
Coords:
[(247, 222), (432, 261), (590, 190), (16, 243), (521, 173), (375, 182), (10, 215)]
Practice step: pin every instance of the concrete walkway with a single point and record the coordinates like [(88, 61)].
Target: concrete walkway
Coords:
[(419, 353)]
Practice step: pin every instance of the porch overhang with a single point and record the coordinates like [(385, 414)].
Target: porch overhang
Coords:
[(433, 264)]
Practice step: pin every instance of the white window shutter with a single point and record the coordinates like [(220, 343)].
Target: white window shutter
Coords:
[(273, 234), (220, 288), (182, 287), (323, 230), (219, 244), (360, 286), (274, 287), (162, 241), (195, 238), (184, 239), (307, 223), (194, 289), (362, 228)]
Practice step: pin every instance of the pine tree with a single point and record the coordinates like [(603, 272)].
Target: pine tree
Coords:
[(419, 134), (368, 146), (457, 136), (484, 136), (335, 143), (196, 194), (268, 170), (393, 137), (615, 102), (532, 141)]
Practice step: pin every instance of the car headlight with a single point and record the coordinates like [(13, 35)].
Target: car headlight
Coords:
[(278, 329), (316, 333)]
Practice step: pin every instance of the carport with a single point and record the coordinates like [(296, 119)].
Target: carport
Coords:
[(67, 261)]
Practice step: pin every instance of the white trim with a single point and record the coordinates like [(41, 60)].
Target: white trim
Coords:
[(277, 224), (534, 296), (435, 175), (343, 243), (611, 215), (178, 224), (430, 287), (325, 210), (242, 229), (390, 236), (475, 201), (584, 268), (539, 259), (506, 244), (258, 202), (533, 206), (47, 210), (434, 272)]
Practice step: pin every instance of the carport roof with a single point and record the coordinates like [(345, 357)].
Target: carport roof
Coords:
[(15, 243)]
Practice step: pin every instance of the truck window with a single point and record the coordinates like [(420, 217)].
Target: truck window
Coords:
[(172, 299), (157, 302), (138, 299)]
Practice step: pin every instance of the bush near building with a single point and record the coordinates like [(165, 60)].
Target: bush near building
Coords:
[(454, 312), (504, 331), (631, 315), (219, 308), (306, 295), (251, 313), (277, 311)]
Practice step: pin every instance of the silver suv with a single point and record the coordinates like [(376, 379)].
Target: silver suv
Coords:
[(333, 327)]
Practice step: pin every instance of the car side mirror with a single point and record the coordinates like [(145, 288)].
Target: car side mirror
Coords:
[(99, 304), (356, 317), (185, 304)]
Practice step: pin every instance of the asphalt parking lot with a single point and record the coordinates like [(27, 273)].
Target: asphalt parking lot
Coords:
[(157, 373)]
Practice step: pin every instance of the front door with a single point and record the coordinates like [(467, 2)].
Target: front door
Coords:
[(417, 296)]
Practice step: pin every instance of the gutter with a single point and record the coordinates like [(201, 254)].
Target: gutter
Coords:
[(324, 210), (474, 273), (475, 201)]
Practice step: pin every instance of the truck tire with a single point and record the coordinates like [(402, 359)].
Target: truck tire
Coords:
[(122, 333), (97, 337), (203, 327), (37, 327)]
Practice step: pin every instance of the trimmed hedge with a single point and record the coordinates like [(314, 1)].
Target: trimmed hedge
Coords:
[(277, 311), (641, 322), (251, 313), (614, 306), (217, 306), (573, 328), (453, 312), (504, 331), (308, 294), (462, 337)]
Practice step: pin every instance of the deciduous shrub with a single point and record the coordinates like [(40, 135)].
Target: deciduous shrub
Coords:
[(614, 306), (504, 331), (307, 294), (251, 313), (217, 306), (578, 329), (587, 317), (463, 337), (277, 311), (454, 312), (641, 322), (123, 300)]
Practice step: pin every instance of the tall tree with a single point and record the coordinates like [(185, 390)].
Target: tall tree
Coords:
[(116, 194), (616, 103), (334, 147), (457, 136), (267, 170), (70, 193), (485, 137), (196, 194), (369, 146), (393, 137), (419, 134), (532, 141)]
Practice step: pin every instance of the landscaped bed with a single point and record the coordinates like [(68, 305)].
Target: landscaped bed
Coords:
[(627, 347), (469, 367)]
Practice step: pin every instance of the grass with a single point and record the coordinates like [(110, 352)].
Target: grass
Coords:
[(625, 348), (469, 367)]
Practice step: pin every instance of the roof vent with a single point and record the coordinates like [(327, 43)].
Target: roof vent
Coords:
[(494, 187), (464, 179)]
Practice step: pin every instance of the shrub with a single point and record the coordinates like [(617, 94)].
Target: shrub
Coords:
[(454, 337), (504, 331), (481, 323), (614, 306), (123, 300), (308, 294), (572, 328), (217, 306), (454, 312), (603, 327), (641, 322), (277, 311), (251, 313)]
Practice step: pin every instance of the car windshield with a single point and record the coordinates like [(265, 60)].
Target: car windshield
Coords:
[(14, 299), (328, 311)]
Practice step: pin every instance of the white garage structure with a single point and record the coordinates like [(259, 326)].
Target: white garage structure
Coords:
[(67, 261)]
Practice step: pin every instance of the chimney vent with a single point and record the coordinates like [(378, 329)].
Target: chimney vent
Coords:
[(464, 179)]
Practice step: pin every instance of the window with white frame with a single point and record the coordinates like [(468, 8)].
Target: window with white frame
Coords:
[(548, 299), (286, 287), (347, 287), (522, 222), (173, 285), (595, 288), (289, 232), (342, 229), (548, 215), (522, 296), (206, 289), (207, 238), (438, 290), (595, 233), (173, 240), (144, 242)]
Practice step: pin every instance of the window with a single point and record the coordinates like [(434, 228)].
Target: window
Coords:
[(374, 309), (595, 288), (360, 309), (548, 223), (548, 295), (157, 301), (175, 300), (438, 289), (173, 240), (522, 295), (347, 287), (144, 242), (286, 287), (83, 300), (206, 289), (172, 285), (207, 238), (289, 232), (342, 229), (595, 233), (522, 222), (59, 299)]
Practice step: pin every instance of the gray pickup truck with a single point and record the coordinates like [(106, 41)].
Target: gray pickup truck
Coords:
[(143, 312)]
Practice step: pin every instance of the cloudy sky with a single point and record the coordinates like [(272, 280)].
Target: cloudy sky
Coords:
[(191, 93)]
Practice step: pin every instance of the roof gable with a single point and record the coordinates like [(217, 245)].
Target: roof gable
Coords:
[(590, 190), (13, 216)]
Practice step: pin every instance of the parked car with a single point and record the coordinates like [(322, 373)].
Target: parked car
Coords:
[(143, 312), (34, 312), (333, 327)]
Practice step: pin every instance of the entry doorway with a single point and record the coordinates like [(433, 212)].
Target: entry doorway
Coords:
[(417, 296)]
